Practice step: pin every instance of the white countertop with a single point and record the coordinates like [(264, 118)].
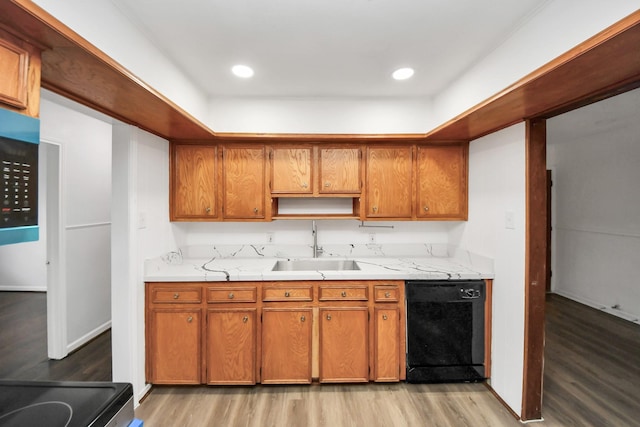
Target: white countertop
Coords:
[(376, 262)]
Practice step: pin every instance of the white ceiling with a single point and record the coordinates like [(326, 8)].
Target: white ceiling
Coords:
[(327, 48)]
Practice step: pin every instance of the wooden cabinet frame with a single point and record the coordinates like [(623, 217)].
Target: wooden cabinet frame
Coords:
[(255, 299), (356, 178)]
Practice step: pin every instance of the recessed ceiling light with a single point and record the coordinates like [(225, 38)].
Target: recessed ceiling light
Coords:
[(402, 73), (242, 71)]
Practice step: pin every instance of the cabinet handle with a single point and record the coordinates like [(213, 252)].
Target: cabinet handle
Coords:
[(245, 319), (176, 295), (426, 208), (207, 210), (384, 317), (230, 295), (328, 317), (327, 184), (287, 294), (255, 210), (375, 208), (387, 294), (189, 319), (344, 293), (304, 185), (302, 318)]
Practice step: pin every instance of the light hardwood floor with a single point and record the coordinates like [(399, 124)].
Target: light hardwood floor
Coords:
[(592, 378)]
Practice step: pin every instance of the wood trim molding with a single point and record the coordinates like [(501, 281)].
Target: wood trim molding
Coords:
[(535, 271), (604, 65)]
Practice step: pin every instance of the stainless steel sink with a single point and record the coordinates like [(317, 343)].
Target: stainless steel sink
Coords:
[(315, 265)]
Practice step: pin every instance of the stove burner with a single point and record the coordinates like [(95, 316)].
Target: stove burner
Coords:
[(52, 413)]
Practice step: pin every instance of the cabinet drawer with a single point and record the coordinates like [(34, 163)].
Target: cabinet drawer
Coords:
[(287, 293), (176, 295), (231, 294), (386, 293), (343, 293)]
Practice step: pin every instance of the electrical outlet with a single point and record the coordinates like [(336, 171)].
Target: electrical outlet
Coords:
[(509, 221), (142, 220), (269, 237), (372, 237)]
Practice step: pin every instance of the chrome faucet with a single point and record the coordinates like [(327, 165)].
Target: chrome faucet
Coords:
[(314, 231)]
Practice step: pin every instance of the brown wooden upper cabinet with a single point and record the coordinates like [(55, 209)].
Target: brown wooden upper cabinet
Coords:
[(243, 178), (291, 171), (401, 181), (193, 182), (339, 170), (316, 170), (442, 182), (389, 182), (20, 68)]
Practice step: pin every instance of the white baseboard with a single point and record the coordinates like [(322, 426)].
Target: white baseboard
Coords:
[(613, 311), (141, 395), (18, 288), (88, 337)]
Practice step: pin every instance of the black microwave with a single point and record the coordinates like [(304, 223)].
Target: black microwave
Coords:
[(19, 141)]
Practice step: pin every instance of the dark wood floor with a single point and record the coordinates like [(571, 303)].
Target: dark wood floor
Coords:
[(592, 378), (23, 345)]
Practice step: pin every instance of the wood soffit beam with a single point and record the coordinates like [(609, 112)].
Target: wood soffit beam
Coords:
[(604, 65)]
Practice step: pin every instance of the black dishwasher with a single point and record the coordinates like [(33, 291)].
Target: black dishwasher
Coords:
[(445, 331)]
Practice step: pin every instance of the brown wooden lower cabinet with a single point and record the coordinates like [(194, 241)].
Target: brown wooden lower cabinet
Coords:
[(231, 346), (275, 332), (386, 366), (344, 345), (286, 345), (175, 345)]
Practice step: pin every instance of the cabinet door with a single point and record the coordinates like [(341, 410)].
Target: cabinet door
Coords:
[(243, 170), (442, 182), (175, 340), (231, 346), (291, 170), (387, 344), (344, 346), (286, 345), (340, 170), (389, 176), (194, 182)]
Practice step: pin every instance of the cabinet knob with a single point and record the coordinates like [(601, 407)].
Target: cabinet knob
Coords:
[(287, 294), (304, 185), (230, 295), (387, 294), (344, 293), (426, 208), (328, 317), (245, 319), (384, 317), (176, 295), (189, 319), (255, 210), (302, 318), (207, 210), (327, 184), (375, 208)]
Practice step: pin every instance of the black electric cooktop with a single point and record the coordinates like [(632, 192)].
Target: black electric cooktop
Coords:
[(64, 404)]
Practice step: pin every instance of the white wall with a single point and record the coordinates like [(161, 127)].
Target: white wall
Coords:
[(595, 156), (551, 31), (23, 265), (497, 186), (85, 150), (104, 26), (301, 115)]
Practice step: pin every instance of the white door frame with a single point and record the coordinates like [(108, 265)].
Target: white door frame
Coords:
[(56, 253)]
